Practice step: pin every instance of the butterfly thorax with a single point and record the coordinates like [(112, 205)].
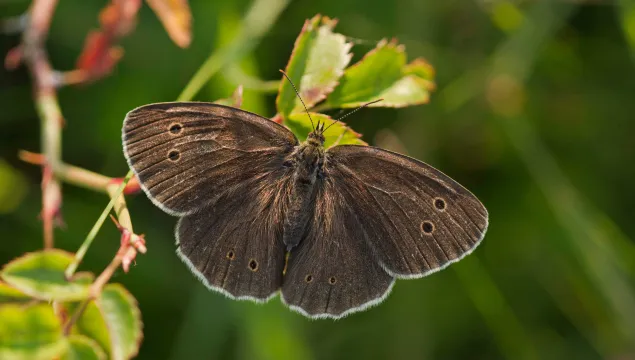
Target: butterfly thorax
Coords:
[(307, 161)]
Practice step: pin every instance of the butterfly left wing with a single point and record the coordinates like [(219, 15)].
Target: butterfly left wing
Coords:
[(333, 272)]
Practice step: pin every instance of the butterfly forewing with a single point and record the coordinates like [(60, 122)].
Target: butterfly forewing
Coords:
[(186, 155), (416, 219)]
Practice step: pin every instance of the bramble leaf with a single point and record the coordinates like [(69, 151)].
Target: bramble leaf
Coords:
[(123, 321), (83, 348), (41, 275), (11, 295), (316, 64), (384, 74), (338, 134), (90, 324), (30, 332)]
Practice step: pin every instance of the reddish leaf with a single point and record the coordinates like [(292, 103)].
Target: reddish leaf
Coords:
[(99, 56), (176, 18)]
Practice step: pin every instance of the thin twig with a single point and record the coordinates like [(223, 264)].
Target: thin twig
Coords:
[(76, 315), (35, 57), (81, 177), (79, 255), (126, 251)]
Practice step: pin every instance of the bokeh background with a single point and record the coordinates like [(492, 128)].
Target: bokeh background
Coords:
[(534, 113)]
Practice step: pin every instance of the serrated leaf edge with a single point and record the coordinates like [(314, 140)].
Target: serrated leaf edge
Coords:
[(23, 256), (136, 314)]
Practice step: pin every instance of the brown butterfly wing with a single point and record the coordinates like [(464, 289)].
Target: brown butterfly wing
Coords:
[(235, 247), (187, 155), (333, 271), (416, 219), (221, 169)]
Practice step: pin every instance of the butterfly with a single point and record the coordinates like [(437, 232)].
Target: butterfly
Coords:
[(262, 213)]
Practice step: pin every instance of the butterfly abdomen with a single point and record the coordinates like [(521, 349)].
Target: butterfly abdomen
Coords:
[(307, 160)]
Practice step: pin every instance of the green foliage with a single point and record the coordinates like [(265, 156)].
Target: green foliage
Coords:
[(41, 275), (30, 332), (83, 348), (91, 324), (112, 322), (318, 68), (9, 295), (338, 133), (318, 61), (384, 74), (123, 321)]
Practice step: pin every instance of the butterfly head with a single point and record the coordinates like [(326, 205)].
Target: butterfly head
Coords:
[(316, 137)]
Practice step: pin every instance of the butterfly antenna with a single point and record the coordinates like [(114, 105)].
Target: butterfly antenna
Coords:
[(299, 97), (352, 112)]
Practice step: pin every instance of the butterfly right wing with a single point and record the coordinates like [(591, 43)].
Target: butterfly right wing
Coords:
[(187, 155)]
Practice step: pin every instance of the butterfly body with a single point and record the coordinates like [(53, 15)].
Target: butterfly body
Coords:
[(349, 219), (307, 163)]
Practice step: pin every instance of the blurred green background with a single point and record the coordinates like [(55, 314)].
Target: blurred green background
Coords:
[(534, 113)]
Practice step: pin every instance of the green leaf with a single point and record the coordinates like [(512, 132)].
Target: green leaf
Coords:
[(384, 74), (83, 348), (41, 275), (338, 134), (123, 320), (409, 90), (317, 62), (420, 68), (11, 295), (30, 332), (91, 324)]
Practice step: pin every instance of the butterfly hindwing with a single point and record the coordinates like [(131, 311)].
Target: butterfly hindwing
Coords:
[(187, 155), (235, 246), (333, 272), (417, 219)]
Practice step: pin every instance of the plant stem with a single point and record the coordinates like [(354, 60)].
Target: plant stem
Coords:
[(80, 177), (258, 20), (239, 77), (79, 255), (36, 59), (76, 315)]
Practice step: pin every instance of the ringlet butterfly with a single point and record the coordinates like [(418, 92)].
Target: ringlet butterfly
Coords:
[(260, 212)]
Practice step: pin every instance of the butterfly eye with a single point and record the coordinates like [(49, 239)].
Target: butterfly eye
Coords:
[(175, 128), (253, 265), (332, 280), (427, 227), (308, 278), (439, 204), (174, 155)]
